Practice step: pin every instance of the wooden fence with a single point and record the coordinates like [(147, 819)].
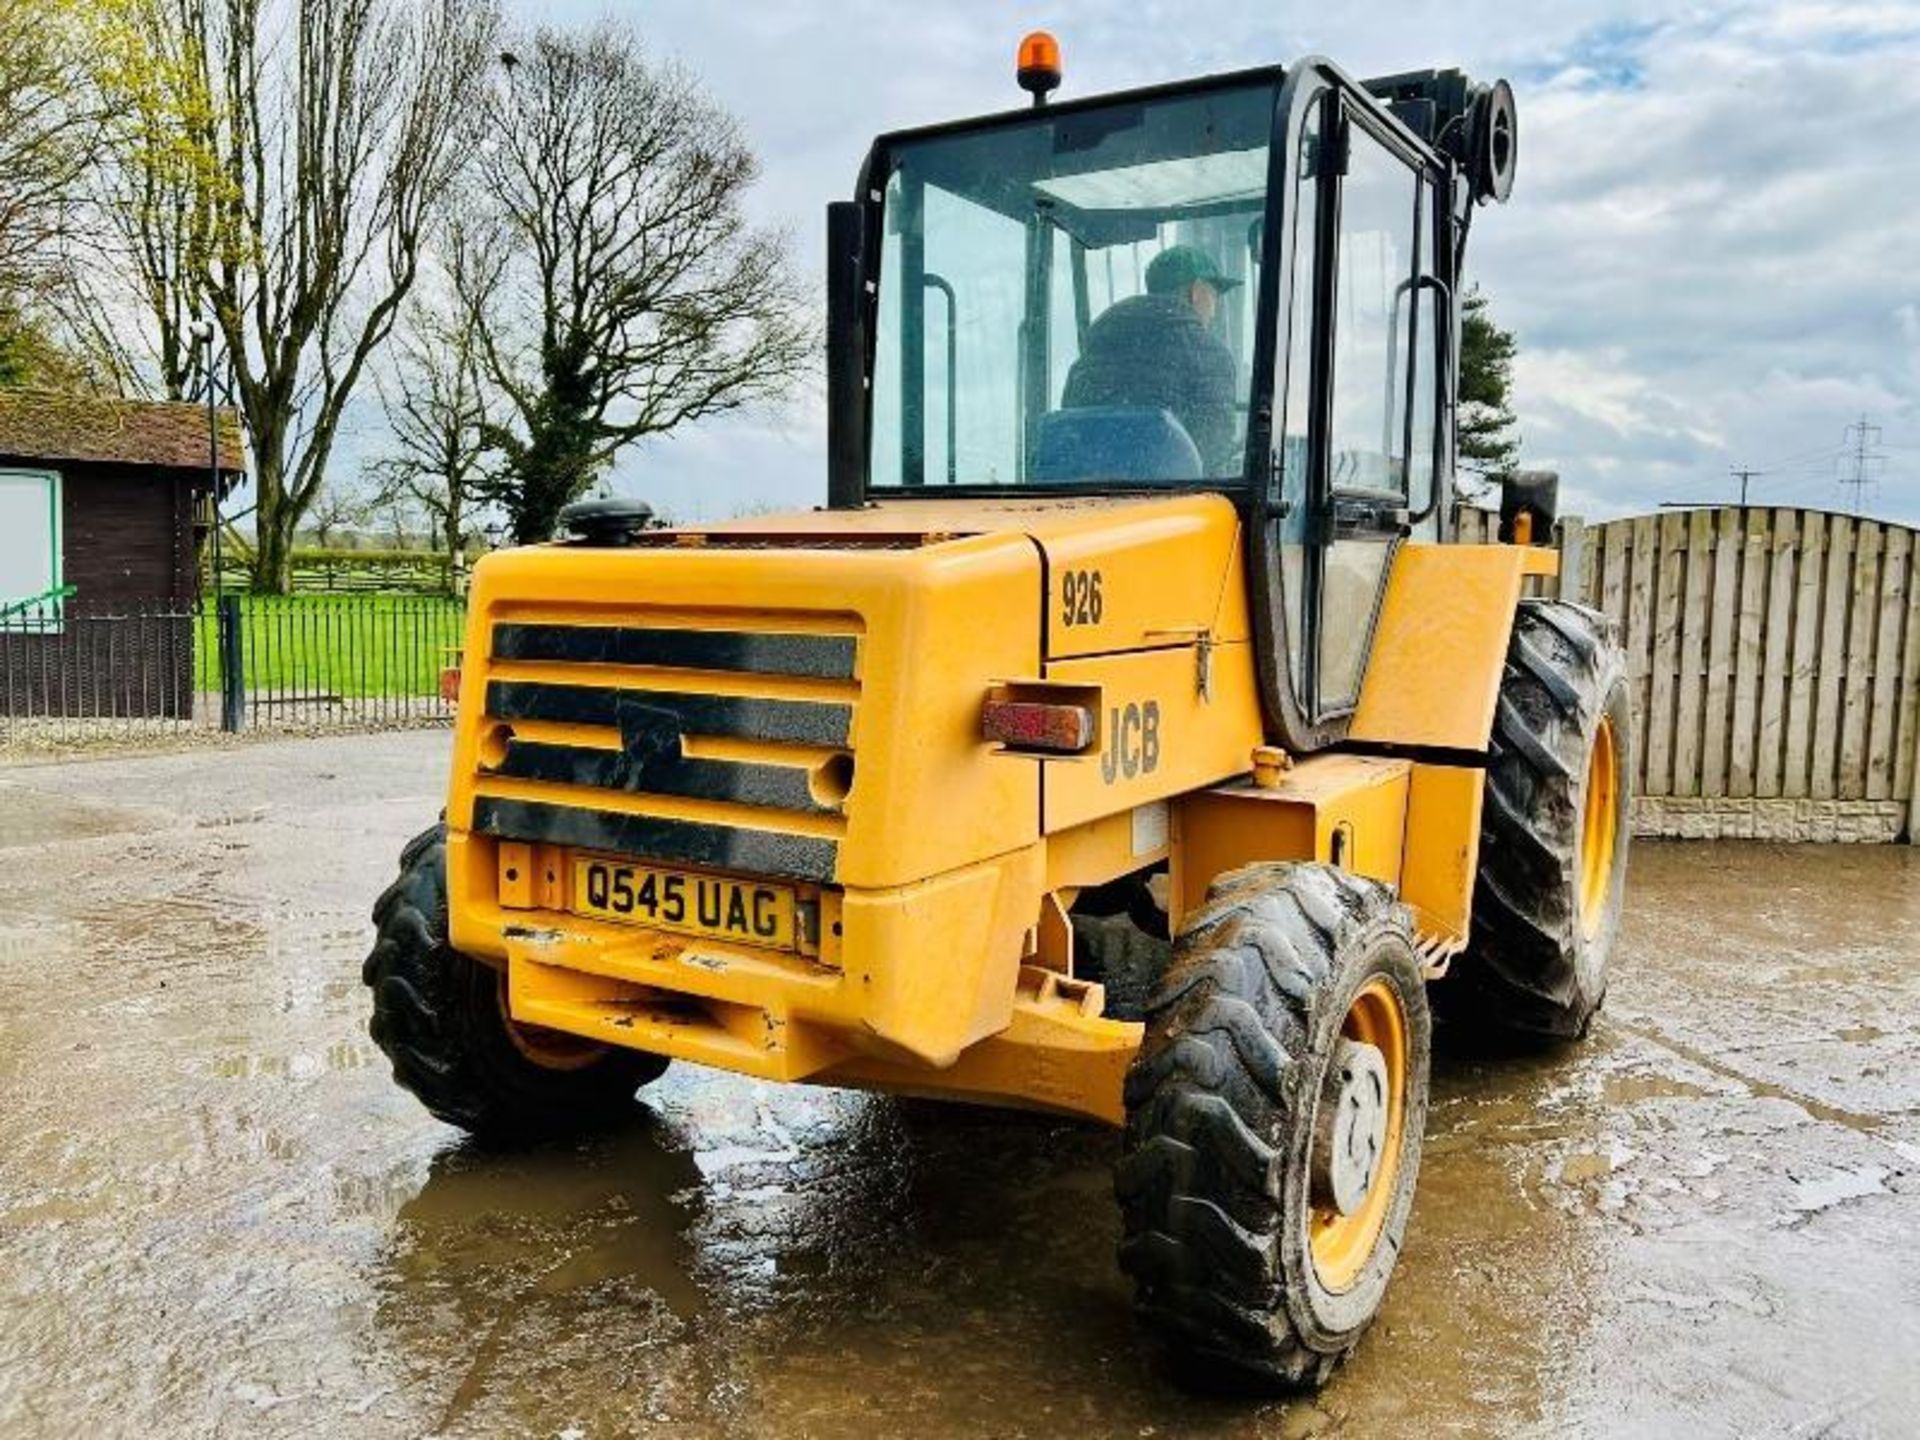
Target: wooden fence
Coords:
[(1775, 659), (348, 572)]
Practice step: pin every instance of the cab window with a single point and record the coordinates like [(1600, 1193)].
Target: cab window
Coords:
[(1373, 296), (1373, 387), (1069, 299)]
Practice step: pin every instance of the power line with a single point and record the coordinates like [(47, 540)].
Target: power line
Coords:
[(1818, 455), (1744, 474), (1803, 481), (1854, 462)]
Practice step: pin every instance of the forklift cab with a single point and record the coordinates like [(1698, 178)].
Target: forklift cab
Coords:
[(973, 274)]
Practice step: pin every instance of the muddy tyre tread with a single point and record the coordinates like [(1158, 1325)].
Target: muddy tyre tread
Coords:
[(1207, 1098), (435, 1017), (1524, 976)]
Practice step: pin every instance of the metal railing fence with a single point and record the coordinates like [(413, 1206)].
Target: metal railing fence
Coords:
[(73, 673)]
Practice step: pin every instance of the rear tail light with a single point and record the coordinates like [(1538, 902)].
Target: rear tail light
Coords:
[(1030, 718)]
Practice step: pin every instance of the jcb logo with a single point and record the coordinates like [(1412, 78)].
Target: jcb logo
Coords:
[(1133, 741)]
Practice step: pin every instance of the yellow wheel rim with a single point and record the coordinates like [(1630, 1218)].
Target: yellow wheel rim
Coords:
[(1341, 1244), (549, 1049), (1599, 828)]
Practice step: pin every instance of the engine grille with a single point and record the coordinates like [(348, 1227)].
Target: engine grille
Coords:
[(598, 711)]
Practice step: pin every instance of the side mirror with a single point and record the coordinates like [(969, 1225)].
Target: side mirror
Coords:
[(1529, 506)]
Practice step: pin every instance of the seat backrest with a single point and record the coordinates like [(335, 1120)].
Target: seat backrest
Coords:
[(1113, 442)]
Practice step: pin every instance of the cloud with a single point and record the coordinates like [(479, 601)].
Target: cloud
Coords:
[(1710, 258), (1712, 261)]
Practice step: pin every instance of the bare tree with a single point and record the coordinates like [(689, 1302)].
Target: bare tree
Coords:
[(395, 515), (436, 407), (617, 290), (338, 506), (302, 152)]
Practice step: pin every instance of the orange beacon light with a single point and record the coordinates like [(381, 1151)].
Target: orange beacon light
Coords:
[(1039, 69)]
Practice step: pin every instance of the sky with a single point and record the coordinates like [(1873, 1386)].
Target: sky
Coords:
[(1711, 257)]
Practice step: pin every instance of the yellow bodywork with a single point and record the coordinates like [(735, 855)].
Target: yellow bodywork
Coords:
[(935, 869)]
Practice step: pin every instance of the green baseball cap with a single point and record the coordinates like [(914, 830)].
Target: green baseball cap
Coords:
[(1178, 266)]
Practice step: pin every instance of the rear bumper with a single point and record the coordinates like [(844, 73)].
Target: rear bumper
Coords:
[(910, 975), (917, 988)]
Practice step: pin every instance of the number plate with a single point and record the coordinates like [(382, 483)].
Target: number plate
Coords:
[(690, 904)]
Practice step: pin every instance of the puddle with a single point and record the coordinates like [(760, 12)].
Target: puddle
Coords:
[(219, 1216)]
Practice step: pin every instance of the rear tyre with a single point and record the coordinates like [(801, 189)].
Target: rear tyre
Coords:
[(1553, 834), (1274, 1116), (441, 1018)]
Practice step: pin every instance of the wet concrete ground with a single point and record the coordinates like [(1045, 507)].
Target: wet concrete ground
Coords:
[(217, 1215)]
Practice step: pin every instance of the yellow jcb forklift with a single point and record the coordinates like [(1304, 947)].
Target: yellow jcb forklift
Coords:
[(1126, 738)]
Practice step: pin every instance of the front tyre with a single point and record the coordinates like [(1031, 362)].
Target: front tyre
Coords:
[(1274, 1117), (441, 1018)]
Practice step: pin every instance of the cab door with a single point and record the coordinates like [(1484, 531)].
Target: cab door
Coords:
[(1358, 418)]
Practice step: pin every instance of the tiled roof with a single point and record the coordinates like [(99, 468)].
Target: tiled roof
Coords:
[(52, 425)]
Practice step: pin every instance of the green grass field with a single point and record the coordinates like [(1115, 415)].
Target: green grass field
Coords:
[(344, 645)]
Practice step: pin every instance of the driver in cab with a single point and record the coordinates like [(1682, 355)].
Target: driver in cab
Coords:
[(1159, 350)]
